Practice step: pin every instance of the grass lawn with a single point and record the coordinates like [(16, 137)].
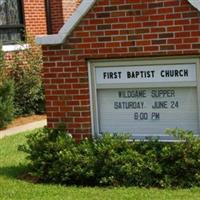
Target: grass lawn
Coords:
[(12, 163)]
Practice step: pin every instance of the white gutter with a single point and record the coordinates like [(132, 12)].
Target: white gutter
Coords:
[(69, 25), (195, 3)]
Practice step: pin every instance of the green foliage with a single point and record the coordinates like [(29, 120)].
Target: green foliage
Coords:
[(6, 95), (6, 103), (114, 161), (21, 89), (12, 163), (26, 73), (29, 97), (3, 76)]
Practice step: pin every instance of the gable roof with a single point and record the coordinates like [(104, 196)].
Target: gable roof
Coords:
[(195, 3), (71, 23)]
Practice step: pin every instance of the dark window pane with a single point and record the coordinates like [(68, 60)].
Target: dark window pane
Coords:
[(13, 12), (10, 21), (10, 35), (3, 19)]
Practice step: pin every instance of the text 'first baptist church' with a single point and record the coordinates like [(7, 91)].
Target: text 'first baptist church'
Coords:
[(146, 74)]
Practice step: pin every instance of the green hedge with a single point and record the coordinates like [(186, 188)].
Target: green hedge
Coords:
[(113, 160)]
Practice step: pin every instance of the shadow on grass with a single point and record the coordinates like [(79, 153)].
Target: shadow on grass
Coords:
[(18, 173), (13, 172)]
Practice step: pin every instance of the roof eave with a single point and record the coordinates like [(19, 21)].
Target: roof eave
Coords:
[(195, 3), (69, 25)]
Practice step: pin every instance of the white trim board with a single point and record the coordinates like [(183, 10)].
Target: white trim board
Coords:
[(15, 47), (72, 22)]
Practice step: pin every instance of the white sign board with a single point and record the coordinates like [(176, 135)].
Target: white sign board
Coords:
[(148, 110), (146, 74)]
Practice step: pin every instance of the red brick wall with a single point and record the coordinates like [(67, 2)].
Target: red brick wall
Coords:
[(35, 17), (61, 10), (57, 20), (69, 6), (113, 29)]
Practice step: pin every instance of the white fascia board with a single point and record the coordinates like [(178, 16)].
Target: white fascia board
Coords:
[(50, 39), (69, 25), (195, 3)]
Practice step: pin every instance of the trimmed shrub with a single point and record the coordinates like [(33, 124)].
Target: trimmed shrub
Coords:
[(113, 160)]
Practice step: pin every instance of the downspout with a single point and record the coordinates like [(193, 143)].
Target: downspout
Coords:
[(48, 16)]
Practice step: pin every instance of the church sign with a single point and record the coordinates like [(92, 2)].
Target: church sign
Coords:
[(144, 98)]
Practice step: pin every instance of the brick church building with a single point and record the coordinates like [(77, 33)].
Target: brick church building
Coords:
[(115, 65)]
